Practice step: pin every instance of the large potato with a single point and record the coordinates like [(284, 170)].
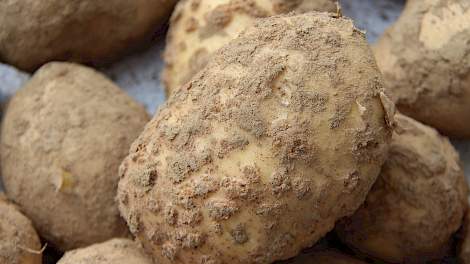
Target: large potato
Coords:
[(417, 203), (33, 32), (256, 158), (199, 28), (425, 60), (19, 242), (115, 251), (63, 137)]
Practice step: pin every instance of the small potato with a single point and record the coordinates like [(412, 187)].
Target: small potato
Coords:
[(323, 257), (283, 133), (115, 251), (63, 137), (416, 205), (199, 28), (19, 242), (33, 32), (425, 60)]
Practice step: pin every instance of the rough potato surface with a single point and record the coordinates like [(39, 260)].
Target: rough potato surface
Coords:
[(34, 32), (323, 257), (199, 28), (425, 60), (256, 158), (19, 242), (417, 203), (115, 251), (63, 137)]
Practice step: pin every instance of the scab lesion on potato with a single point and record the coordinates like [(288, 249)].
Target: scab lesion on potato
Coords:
[(239, 234)]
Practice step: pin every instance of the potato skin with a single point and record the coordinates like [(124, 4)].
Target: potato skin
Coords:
[(88, 31), (328, 256), (198, 28), (17, 235), (63, 137), (237, 166), (464, 243), (425, 60), (118, 250), (417, 203)]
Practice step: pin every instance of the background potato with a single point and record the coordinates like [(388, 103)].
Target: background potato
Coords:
[(63, 137), (198, 28), (35, 32), (256, 158), (18, 239), (416, 204), (464, 247), (425, 60), (324, 257), (115, 251)]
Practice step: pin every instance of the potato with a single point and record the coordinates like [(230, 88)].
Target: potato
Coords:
[(35, 32), (199, 28), (464, 244), (19, 242), (256, 158), (328, 256), (416, 205), (63, 137), (114, 251), (425, 59)]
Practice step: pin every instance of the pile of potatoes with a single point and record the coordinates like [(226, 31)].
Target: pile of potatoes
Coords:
[(285, 138)]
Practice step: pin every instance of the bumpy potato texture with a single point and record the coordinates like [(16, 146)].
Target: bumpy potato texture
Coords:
[(418, 202), (199, 28), (425, 60), (280, 135), (115, 251), (19, 242), (323, 257), (63, 138), (89, 31)]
